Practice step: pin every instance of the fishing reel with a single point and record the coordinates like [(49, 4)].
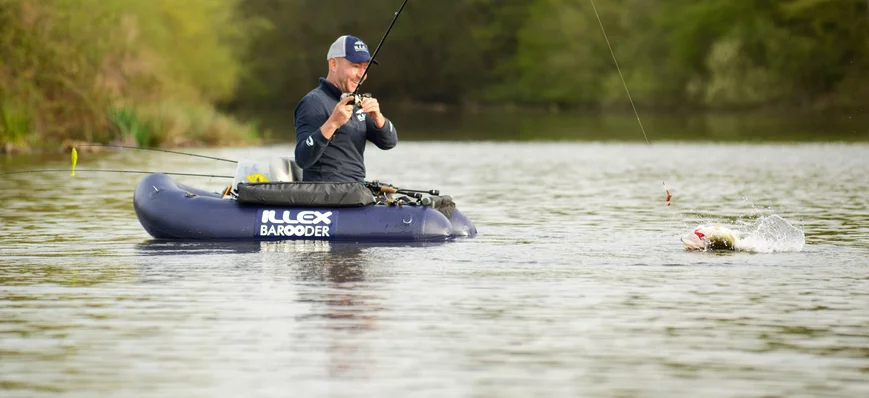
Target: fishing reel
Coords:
[(358, 98), (384, 193)]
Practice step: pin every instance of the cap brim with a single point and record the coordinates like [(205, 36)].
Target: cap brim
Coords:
[(359, 60)]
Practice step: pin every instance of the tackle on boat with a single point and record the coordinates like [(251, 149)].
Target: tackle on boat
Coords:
[(269, 202)]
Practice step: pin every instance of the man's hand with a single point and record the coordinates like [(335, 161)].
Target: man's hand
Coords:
[(342, 112), (340, 115), (372, 108)]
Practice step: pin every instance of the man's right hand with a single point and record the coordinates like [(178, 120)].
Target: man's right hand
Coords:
[(340, 115)]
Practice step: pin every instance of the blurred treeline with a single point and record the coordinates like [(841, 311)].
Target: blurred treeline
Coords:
[(673, 53), (152, 71)]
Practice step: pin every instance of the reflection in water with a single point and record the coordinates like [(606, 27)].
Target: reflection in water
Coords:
[(169, 247), (338, 265), (340, 297), (328, 279), (293, 248)]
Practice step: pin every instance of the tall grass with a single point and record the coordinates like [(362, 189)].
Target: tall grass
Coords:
[(131, 127), (175, 123), (15, 124)]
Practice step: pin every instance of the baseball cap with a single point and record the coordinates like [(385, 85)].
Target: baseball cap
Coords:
[(352, 48)]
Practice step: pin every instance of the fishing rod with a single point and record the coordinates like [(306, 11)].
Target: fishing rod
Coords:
[(382, 39), (116, 171), (157, 150), (414, 193), (637, 114), (433, 192), (74, 158)]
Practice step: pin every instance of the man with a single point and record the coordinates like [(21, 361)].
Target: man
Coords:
[(331, 132)]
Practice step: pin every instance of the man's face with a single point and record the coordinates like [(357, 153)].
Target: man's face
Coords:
[(347, 74)]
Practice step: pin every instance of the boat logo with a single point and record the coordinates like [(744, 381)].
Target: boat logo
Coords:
[(360, 46), (302, 217), (310, 141), (360, 115), (305, 223)]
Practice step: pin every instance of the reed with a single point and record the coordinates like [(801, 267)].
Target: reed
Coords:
[(15, 124)]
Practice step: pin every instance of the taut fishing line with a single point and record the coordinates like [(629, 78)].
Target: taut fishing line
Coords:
[(74, 158), (637, 114), (116, 171), (157, 150)]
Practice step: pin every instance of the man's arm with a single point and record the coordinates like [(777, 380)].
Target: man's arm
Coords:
[(314, 130), (380, 130), (385, 137)]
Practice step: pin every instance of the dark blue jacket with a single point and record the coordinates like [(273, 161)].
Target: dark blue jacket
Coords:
[(341, 158)]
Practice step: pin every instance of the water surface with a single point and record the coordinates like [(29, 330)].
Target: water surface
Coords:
[(576, 286)]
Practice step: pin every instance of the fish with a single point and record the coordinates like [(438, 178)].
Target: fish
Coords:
[(711, 237)]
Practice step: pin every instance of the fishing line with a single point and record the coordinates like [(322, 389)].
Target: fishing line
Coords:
[(74, 158), (158, 150), (619, 69), (116, 171)]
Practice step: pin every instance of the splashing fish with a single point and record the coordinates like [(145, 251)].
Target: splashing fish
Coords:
[(711, 237), (767, 234)]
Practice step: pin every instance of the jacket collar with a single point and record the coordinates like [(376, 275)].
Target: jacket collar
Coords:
[(330, 88)]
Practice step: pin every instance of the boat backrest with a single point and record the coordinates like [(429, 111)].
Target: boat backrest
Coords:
[(285, 170), (277, 170)]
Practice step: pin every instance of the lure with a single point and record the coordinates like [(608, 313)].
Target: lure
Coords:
[(669, 195), (74, 160)]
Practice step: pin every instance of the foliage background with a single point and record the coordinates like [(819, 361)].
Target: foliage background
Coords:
[(155, 71)]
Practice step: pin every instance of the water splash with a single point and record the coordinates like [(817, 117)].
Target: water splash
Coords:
[(770, 234)]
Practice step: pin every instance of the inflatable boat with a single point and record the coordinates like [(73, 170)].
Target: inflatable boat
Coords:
[(169, 210)]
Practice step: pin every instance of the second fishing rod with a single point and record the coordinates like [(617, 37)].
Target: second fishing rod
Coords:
[(375, 185)]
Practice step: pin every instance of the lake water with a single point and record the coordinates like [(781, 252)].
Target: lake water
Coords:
[(577, 285)]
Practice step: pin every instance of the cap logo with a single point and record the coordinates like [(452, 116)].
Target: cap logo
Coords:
[(360, 46)]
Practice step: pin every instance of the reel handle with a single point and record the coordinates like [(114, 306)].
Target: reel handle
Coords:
[(385, 189), (358, 97)]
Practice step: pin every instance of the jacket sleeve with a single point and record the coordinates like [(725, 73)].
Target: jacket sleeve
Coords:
[(310, 142), (385, 137)]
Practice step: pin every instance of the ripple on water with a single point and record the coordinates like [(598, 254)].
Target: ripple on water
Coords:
[(576, 286)]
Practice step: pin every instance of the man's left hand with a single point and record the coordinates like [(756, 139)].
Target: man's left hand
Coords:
[(372, 108)]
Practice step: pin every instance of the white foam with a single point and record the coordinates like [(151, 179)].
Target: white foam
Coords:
[(770, 234)]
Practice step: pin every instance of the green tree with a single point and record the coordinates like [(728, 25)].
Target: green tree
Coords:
[(65, 63), (756, 51)]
